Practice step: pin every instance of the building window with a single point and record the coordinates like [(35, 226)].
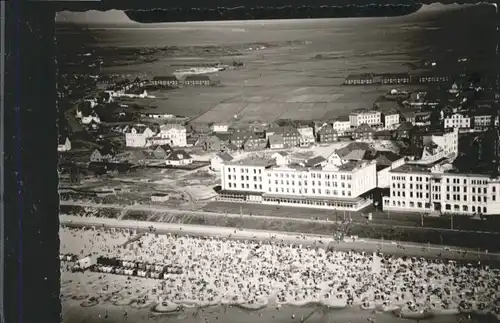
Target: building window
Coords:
[(484, 209), (465, 208), (448, 207)]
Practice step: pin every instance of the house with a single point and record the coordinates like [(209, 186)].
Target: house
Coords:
[(370, 117), (314, 161), (210, 143), (281, 157), (383, 135), (396, 95), (165, 81), (327, 134), (389, 114), (64, 144), (159, 197), (160, 151), (255, 143), (238, 137), (404, 131), (457, 120), (344, 151), (423, 118), (342, 125), (178, 158), (429, 79), (102, 155), (137, 136), (173, 134), (357, 154), (408, 116), (276, 142), (363, 132), (359, 79), (306, 135), (220, 158), (93, 117), (291, 136), (220, 127), (401, 78), (196, 80)]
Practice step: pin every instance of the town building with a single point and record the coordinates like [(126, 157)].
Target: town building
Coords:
[(102, 155), (178, 158), (220, 127), (423, 119), (441, 189), (217, 142), (342, 125), (363, 132), (390, 119), (197, 80), (172, 134), (291, 136), (408, 116), (483, 121), (326, 134), (276, 142), (238, 137), (160, 151), (219, 159), (165, 81), (64, 144), (159, 197), (315, 183), (137, 136), (370, 117), (429, 79), (404, 131), (93, 117), (359, 79), (255, 143), (457, 120), (306, 136), (386, 161), (400, 78), (433, 147)]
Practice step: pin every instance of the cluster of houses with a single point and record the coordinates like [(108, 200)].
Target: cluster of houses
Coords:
[(136, 87), (142, 135), (395, 79), (153, 154)]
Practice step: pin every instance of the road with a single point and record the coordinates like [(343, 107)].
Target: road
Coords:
[(165, 209), (390, 218), (366, 245)]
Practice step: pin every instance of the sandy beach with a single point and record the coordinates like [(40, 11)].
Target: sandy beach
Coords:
[(217, 273)]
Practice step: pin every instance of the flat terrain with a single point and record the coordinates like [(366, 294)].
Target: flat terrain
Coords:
[(281, 82)]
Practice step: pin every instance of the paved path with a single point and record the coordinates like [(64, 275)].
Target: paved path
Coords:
[(166, 209), (367, 245)]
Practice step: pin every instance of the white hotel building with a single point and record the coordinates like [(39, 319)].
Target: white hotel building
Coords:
[(341, 186), (416, 188), (372, 118)]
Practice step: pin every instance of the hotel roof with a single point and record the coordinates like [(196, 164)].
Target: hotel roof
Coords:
[(253, 161)]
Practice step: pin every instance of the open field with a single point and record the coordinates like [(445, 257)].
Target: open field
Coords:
[(280, 82)]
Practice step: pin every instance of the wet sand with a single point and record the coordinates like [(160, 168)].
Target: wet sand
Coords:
[(74, 313)]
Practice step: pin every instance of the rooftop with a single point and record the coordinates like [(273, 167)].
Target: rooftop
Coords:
[(253, 161)]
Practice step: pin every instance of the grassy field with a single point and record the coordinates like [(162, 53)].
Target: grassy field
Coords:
[(419, 235)]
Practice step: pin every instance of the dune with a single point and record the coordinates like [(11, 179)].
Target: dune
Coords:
[(94, 17)]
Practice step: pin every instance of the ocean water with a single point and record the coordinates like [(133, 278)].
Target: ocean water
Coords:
[(427, 34)]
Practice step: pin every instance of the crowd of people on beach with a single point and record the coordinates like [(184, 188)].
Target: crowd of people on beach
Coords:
[(256, 274)]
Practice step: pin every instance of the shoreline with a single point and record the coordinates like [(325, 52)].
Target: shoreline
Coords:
[(286, 313)]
